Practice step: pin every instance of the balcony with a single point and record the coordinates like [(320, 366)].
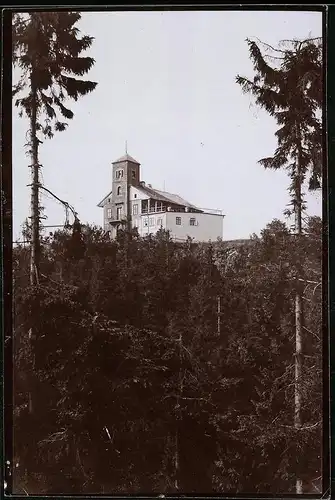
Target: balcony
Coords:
[(116, 219), (153, 210)]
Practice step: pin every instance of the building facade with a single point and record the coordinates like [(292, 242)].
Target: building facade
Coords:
[(133, 203)]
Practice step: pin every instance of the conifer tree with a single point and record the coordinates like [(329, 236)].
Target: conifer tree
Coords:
[(47, 49), (290, 90)]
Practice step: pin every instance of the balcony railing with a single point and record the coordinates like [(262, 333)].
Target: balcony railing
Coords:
[(153, 210), (116, 218), (209, 211)]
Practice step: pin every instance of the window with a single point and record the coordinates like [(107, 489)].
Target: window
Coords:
[(178, 221), (135, 195), (135, 209), (118, 213), (133, 174), (145, 222), (159, 222), (144, 206), (109, 200), (119, 174), (193, 222), (119, 190), (151, 221), (159, 206), (109, 213)]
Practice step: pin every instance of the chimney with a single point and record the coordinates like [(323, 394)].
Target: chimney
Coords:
[(142, 183), (150, 186)]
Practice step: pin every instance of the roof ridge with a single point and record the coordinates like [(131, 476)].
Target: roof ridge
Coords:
[(126, 157)]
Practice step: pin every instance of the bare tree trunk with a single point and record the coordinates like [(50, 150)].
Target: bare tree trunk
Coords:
[(176, 461), (35, 220), (219, 315), (298, 375), (298, 332), (177, 444), (35, 215)]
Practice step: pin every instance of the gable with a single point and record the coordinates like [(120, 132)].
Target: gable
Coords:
[(104, 201)]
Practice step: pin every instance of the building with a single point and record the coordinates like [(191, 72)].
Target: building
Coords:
[(133, 203)]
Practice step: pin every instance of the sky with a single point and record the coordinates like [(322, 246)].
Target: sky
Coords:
[(166, 85)]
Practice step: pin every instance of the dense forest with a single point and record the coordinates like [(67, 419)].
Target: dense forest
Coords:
[(142, 384)]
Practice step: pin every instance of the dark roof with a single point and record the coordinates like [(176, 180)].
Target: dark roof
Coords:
[(126, 157)]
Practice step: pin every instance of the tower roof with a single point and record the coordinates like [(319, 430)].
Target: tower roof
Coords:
[(126, 157)]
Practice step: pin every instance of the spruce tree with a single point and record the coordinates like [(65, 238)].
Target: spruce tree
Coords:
[(290, 90), (47, 49)]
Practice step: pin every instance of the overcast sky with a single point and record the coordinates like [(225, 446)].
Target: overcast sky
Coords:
[(166, 84)]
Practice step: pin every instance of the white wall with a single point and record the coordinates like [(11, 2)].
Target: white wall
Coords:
[(154, 219), (139, 194), (208, 226), (135, 197)]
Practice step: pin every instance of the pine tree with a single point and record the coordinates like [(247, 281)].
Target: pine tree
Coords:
[(291, 91), (47, 49)]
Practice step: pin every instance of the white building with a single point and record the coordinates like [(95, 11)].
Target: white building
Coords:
[(133, 203)]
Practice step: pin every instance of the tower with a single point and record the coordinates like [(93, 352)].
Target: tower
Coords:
[(126, 173)]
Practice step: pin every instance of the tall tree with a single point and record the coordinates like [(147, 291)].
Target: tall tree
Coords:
[(47, 49), (290, 90)]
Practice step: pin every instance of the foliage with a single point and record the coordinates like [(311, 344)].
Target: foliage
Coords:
[(290, 90), (47, 49), (132, 373)]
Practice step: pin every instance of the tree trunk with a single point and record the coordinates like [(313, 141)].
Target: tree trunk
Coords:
[(219, 315), (35, 215), (180, 393), (176, 460), (35, 223), (298, 332), (298, 377)]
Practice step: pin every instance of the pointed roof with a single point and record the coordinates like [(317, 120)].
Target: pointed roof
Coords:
[(126, 157)]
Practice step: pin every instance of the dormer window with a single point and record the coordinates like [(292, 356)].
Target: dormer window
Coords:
[(119, 174), (118, 191)]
